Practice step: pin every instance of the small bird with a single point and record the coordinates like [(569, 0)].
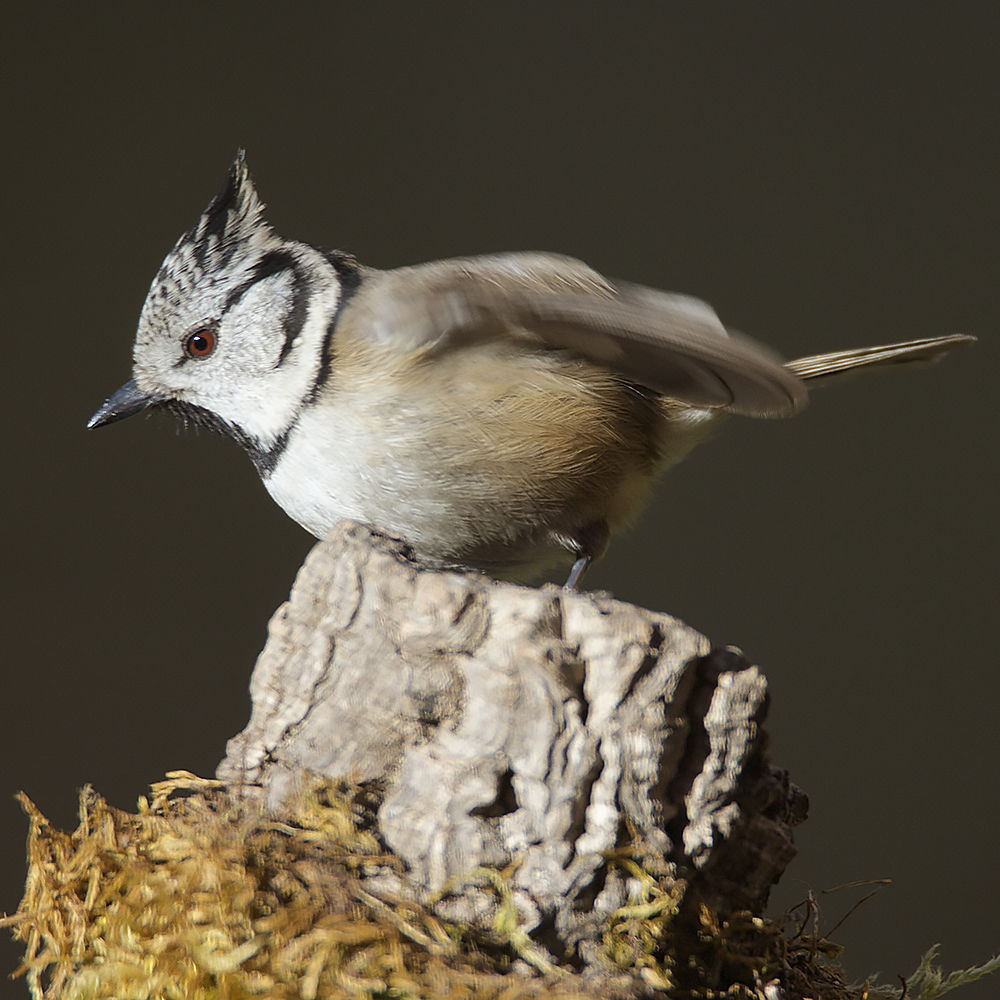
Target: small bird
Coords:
[(502, 413)]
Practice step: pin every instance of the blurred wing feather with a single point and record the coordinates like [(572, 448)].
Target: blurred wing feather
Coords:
[(672, 344)]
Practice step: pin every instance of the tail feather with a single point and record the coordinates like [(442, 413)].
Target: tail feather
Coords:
[(822, 367)]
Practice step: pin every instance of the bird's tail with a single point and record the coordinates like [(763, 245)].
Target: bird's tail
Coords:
[(817, 368)]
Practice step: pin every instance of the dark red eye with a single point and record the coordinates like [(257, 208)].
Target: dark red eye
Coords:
[(200, 344)]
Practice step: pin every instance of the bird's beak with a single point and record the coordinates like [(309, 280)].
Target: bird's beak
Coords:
[(127, 400)]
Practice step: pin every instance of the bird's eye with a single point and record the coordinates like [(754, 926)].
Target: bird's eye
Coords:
[(200, 344)]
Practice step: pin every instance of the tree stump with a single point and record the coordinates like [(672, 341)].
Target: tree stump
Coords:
[(513, 727), (452, 788)]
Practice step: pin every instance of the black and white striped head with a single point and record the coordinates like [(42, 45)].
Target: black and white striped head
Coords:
[(233, 330)]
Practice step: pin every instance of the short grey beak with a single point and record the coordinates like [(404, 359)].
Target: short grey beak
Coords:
[(127, 400)]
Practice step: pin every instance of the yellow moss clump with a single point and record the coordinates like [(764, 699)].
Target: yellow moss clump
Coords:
[(200, 896)]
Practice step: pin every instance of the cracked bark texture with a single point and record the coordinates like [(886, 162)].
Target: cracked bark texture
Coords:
[(507, 724)]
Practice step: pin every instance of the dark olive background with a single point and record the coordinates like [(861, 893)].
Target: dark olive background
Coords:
[(825, 175)]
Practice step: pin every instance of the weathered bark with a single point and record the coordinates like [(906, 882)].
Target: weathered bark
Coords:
[(506, 725)]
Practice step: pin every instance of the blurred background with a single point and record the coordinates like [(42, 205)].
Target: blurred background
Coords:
[(824, 175)]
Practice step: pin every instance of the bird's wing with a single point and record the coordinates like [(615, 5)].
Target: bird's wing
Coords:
[(672, 344)]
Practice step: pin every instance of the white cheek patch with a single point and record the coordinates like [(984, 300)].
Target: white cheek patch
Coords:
[(254, 330), (258, 385)]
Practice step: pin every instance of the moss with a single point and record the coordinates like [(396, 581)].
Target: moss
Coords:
[(199, 895)]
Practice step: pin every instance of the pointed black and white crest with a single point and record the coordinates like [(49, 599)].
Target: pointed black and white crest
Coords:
[(234, 217), (229, 238)]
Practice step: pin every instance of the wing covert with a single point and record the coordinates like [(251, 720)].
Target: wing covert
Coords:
[(673, 344)]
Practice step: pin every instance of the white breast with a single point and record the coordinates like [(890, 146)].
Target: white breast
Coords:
[(367, 460)]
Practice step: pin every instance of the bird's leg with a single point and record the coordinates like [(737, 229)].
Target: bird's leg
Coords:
[(576, 573), (591, 543)]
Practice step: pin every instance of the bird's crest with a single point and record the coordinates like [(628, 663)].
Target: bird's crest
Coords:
[(228, 239)]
